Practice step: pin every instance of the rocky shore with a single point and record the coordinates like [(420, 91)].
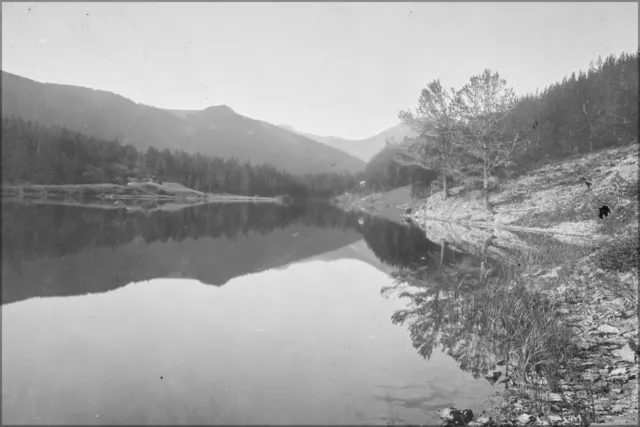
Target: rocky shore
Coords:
[(599, 385), (595, 295), (603, 382)]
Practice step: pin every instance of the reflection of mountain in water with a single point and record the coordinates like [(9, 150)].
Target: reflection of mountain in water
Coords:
[(51, 250), (356, 251), (59, 251)]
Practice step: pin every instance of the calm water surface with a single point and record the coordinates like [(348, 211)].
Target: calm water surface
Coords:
[(236, 314)]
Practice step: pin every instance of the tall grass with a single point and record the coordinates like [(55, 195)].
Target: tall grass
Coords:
[(516, 317), (538, 348)]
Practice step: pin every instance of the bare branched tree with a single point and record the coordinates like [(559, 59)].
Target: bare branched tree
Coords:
[(483, 105), (436, 121)]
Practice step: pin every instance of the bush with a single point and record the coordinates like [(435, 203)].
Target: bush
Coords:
[(620, 255), (477, 183)]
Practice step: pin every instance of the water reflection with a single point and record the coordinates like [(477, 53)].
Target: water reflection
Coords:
[(50, 250), (479, 312), (54, 250), (298, 334), (310, 344), (433, 295)]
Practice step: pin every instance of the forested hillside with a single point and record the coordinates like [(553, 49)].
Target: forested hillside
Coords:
[(594, 109), (384, 173), (32, 153), (587, 111), (470, 137), (216, 131)]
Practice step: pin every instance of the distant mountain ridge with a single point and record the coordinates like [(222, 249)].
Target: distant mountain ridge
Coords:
[(215, 131), (366, 148)]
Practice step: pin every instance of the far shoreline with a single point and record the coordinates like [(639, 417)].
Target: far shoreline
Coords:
[(121, 196)]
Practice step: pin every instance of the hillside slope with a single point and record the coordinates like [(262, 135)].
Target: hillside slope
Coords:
[(366, 148), (215, 131), (551, 201), (587, 270), (553, 197)]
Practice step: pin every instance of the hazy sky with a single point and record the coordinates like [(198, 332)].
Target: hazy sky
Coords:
[(329, 69)]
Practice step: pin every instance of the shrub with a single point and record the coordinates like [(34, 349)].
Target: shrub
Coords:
[(620, 255)]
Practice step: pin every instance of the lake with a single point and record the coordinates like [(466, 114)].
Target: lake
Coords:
[(221, 314)]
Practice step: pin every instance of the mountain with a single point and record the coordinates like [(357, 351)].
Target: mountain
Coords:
[(364, 149), (216, 131)]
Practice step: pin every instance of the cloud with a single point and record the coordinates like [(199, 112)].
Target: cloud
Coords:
[(42, 40)]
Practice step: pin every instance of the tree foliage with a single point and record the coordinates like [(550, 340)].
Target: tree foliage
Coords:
[(484, 104), (436, 121), (587, 111), (385, 171)]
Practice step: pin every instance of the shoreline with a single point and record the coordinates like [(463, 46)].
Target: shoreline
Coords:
[(593, 295), (382, 205), (92, 194), (597, 306), (164, 205)]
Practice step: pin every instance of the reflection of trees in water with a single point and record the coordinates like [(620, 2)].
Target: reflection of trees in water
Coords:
[(53, 231), (480, 314), (399, 245), (43, 231), (449, 305)]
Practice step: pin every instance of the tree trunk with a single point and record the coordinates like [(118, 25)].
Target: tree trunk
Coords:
[(484, 273), (443, 160), (445, 188), (507, 366), (589, 123), (443, 248), (486, 178), (486, 245)]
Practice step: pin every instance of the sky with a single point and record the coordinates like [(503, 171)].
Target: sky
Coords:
[(339, 69)]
